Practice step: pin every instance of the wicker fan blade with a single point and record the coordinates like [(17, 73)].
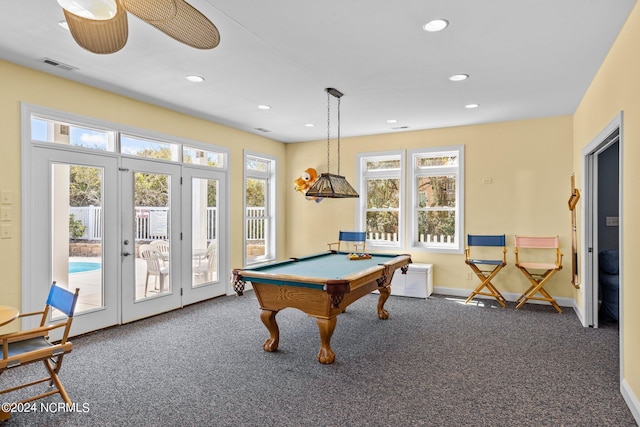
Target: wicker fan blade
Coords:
[(188, 25), (96, 36), (151, 10)]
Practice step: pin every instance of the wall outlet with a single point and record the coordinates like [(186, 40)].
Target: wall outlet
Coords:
[(469, 276), (5, 231)]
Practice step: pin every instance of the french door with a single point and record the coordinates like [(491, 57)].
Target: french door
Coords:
[(137, 236), (204, 240), (60, 247), (150, 237)]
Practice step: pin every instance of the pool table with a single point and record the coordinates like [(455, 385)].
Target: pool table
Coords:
[(322, 286)]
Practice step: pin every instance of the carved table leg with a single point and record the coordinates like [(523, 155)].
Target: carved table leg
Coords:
[(268, 317), (384, 295), (326, 327)]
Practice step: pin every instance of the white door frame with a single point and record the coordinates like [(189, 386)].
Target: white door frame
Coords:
[(590, 215), (589, 245)]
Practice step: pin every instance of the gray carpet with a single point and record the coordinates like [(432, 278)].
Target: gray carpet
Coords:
[(435, 362)]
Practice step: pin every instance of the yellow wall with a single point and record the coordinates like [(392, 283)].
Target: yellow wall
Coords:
[(20, 84), (529, 163), (617, 88)]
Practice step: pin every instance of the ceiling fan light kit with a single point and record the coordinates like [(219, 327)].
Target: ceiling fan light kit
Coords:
[(176, 18), (91, 9)]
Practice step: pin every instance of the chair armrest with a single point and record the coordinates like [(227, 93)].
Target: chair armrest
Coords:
[(33, 313), (331, 244), (30, 333)]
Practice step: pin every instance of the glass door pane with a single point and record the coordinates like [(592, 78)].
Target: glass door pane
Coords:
[(77, 230), (204, 231), (152, 234)]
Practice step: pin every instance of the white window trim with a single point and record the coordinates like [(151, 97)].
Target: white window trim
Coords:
[(361, 206), (270, 237), (415, 245)]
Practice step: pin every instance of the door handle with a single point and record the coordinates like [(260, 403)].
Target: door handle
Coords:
[(126, 253)]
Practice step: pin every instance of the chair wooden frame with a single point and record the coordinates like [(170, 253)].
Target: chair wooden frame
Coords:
[(359, 238), (486, 269), (538, 273), (33, 345)]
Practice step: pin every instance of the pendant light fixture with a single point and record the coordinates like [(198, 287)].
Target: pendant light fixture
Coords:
[(329, 185)]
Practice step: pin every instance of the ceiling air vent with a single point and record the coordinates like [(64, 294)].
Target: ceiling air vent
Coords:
[(400, 127), (58, 64), (263, 130)]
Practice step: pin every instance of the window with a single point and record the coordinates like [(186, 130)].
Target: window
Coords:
[(50, 130), (144, 147), (381, 198), (436, 191), (198, 156), (259, 208)]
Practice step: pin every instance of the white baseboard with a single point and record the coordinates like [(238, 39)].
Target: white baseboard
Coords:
[(631, 399), (464, 293)]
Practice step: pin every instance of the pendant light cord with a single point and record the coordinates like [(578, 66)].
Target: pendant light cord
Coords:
[(328, 130), (338, 136)]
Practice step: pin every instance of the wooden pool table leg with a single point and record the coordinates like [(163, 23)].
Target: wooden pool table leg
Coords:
[(268, 317), (326, 327), (384, 296)]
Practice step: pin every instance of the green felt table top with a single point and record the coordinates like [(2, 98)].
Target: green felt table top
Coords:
[(328, 265)]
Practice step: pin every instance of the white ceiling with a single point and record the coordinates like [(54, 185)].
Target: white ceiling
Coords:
[(526, 59)]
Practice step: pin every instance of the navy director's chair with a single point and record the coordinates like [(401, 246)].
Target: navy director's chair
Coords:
[(486, 269), (358, 238), (33, 345)]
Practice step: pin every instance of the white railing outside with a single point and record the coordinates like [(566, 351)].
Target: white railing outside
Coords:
[(255, 224), (151, 222)]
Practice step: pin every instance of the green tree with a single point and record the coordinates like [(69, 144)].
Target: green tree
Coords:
[(85, 186)]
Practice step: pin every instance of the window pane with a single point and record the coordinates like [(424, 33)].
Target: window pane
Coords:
[(256, 221), (256, 191), (152, 219), (437, 159), (148, 148), (382, 226), (383, 165), (196, 156), (436, 227), (436, 191), (77, 230), (383, 193), (204, 220), (254, 164), (88, 138), (63, 133), (39, 130)]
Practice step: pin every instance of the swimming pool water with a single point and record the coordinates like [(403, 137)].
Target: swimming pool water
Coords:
[(82, 266)]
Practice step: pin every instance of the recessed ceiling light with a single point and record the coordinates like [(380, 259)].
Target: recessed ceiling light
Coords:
[(472, 106), (459, 77), (195, 79), (64, 24), (435, 25), (264, 107), (392, 121), (309, 125)]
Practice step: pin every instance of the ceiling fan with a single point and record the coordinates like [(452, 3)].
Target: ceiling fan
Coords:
[(100, 26)]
